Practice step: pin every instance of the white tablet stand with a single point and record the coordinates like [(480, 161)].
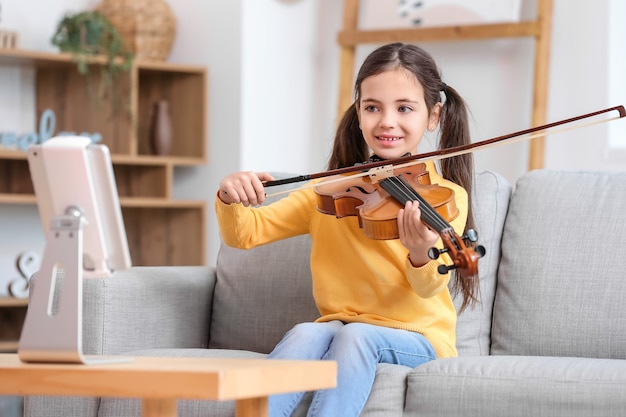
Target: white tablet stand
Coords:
[(79, 207)]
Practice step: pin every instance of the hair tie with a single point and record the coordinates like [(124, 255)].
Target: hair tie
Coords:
[(443, 86)]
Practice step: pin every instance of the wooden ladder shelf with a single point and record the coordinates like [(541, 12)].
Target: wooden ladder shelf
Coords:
[(540, 29)]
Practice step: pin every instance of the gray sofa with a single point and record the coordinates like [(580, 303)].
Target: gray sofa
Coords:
[(548, 339)]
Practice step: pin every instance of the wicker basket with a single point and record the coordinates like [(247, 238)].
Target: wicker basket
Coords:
[(148, 27)]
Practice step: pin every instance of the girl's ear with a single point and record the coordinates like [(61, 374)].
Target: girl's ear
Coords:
[(358, 113), (433, 119)]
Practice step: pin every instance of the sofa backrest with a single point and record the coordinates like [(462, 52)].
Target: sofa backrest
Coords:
[(490, 203), (261, 293), (561, 286)]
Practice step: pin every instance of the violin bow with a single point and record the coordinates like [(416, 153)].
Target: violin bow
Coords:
[(534, 132)]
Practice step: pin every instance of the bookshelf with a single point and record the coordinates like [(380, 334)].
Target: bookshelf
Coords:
[(160, 229)]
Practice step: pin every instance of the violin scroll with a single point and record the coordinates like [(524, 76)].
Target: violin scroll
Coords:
[(464, 254)]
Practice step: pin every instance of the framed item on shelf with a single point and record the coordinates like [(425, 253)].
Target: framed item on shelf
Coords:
[(388, 14)]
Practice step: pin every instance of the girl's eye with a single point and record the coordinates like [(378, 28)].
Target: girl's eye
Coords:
[(404, 109), (370, 108)]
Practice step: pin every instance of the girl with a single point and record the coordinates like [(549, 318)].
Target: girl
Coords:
[(379, 300)]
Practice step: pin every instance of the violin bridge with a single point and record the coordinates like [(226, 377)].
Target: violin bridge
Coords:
[(380, 173)]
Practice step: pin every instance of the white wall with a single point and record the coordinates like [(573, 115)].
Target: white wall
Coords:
[(261, 57), (35, 21), (616, 81), (273, 68), (580, 76)]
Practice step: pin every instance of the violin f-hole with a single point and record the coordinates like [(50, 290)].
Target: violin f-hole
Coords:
[(361, 189)]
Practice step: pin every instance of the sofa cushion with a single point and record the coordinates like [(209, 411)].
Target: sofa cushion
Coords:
[(561, 283), (177, 299), (49, 405), (388, 392), (260, 294), (386, 397), (490, 202), (517, 386)]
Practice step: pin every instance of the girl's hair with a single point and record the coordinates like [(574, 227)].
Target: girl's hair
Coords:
[(350, 148)]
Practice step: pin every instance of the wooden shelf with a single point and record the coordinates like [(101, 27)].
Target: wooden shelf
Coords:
[(13, 302), (61, 88), (160, 230), (42, 58), (139, 176), (37, 58), (441, 33), (157, 160), (12, 313), (17, 199), (7, 347), (120, 159), (161, 203), (11, 154)]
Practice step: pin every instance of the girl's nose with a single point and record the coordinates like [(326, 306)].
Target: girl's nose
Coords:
[(387, 119)]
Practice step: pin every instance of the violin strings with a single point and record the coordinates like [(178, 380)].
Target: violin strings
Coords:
[(431, 214), (403, 194), (399, 188)]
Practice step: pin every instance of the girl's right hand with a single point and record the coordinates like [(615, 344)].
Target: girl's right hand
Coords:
[(244, 187)]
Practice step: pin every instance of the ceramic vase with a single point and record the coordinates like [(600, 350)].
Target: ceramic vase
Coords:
[(161, 128)]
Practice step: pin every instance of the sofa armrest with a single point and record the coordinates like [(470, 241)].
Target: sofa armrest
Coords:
[(146, 308)]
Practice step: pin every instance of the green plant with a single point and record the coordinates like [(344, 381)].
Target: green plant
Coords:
[(87, 34)]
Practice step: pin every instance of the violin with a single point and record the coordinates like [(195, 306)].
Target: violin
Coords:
[(376, 199), (379, 189)]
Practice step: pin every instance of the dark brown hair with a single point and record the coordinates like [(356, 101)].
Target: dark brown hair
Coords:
[(350, 148)]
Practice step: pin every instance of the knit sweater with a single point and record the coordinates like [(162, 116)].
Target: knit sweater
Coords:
[(355, 278)]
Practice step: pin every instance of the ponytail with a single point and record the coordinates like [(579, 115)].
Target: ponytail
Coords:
[(349, 147), (454, 127)]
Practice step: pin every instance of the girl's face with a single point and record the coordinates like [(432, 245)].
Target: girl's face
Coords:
[(393, 114)]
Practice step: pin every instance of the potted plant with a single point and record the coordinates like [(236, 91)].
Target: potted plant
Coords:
[(87, 34)]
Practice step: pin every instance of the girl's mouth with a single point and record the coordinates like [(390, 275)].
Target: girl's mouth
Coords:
[(388, 140)]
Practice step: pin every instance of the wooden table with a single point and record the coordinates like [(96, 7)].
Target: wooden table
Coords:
[(160, 382)]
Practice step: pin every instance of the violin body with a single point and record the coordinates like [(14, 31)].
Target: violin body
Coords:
[(376, 200), (375, 208)]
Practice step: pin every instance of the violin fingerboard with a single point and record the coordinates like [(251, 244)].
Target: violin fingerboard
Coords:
[(399, 188)]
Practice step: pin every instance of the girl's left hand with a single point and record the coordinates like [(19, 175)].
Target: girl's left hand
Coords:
[(414, 234)]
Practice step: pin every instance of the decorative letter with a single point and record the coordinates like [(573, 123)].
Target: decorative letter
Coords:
[(47, 123), (8, 139), (26, 140)]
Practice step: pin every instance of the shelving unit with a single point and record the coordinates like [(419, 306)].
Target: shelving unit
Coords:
[(160, 230), (540, 29), (12, 313)]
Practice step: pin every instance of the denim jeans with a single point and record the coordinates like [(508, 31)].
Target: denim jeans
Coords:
[(357, 348)]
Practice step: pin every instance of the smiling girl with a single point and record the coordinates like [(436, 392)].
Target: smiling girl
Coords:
[(380, 301)]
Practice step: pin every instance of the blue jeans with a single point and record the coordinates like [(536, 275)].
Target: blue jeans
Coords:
[(357, 348)]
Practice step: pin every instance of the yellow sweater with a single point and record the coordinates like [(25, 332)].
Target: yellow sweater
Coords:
[(356, 279)]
